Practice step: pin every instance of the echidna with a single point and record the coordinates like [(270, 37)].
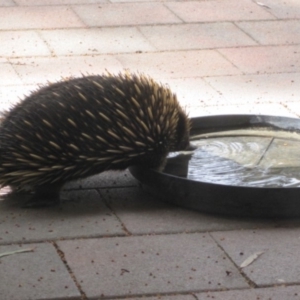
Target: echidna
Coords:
[(83, 126)]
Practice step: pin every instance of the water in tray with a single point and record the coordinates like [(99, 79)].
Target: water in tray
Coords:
[(252, 158)]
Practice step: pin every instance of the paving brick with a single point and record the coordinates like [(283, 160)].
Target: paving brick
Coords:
[(41, 70), (196, 111), (274, 293), (293, 107), (165, 65), (193, 92), (7, 74), (220, 10), (22, 43), (83, 215), (7, 3), (281, 32), (273, 109), (35, 275), (144, 214), (279, 264), (265, 59), (95, 41), (125, 14), (264, 88), (283, 9), (38, 17), (180, 297), (196, 36), (10, 95), (56, 2), (149, 265), (126, 1)]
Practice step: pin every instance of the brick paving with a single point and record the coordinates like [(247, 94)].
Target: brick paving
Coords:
[(114, 241)]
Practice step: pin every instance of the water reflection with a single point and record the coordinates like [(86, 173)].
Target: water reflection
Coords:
[(247, 159)]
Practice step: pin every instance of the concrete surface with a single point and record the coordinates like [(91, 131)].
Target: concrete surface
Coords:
[(112, 240)]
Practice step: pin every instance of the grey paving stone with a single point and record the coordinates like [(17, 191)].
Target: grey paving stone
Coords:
[(7, 3), (143, 214), (56, 2), (294, 107), (36, 17), (264, 60), (179, 64), (219, 10), (196, 111), (39, 70), (192, 92), (84, 215), (23, 43), (262, 88), (288, 9), (274, 293), (35, 275), (163, 297), (110, 179), (12, 94), (96, 41), (149, 265), (120, 14), (280, 261), (279, 32), (263, 108), (7, 74), (196, 36)]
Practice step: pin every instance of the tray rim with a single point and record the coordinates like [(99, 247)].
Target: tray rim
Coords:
[(208, 196), (256, 119)]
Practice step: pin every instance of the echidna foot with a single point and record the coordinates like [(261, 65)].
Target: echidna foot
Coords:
[(44, 196)]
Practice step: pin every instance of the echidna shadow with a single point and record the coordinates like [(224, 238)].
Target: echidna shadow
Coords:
[(83, 126)]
